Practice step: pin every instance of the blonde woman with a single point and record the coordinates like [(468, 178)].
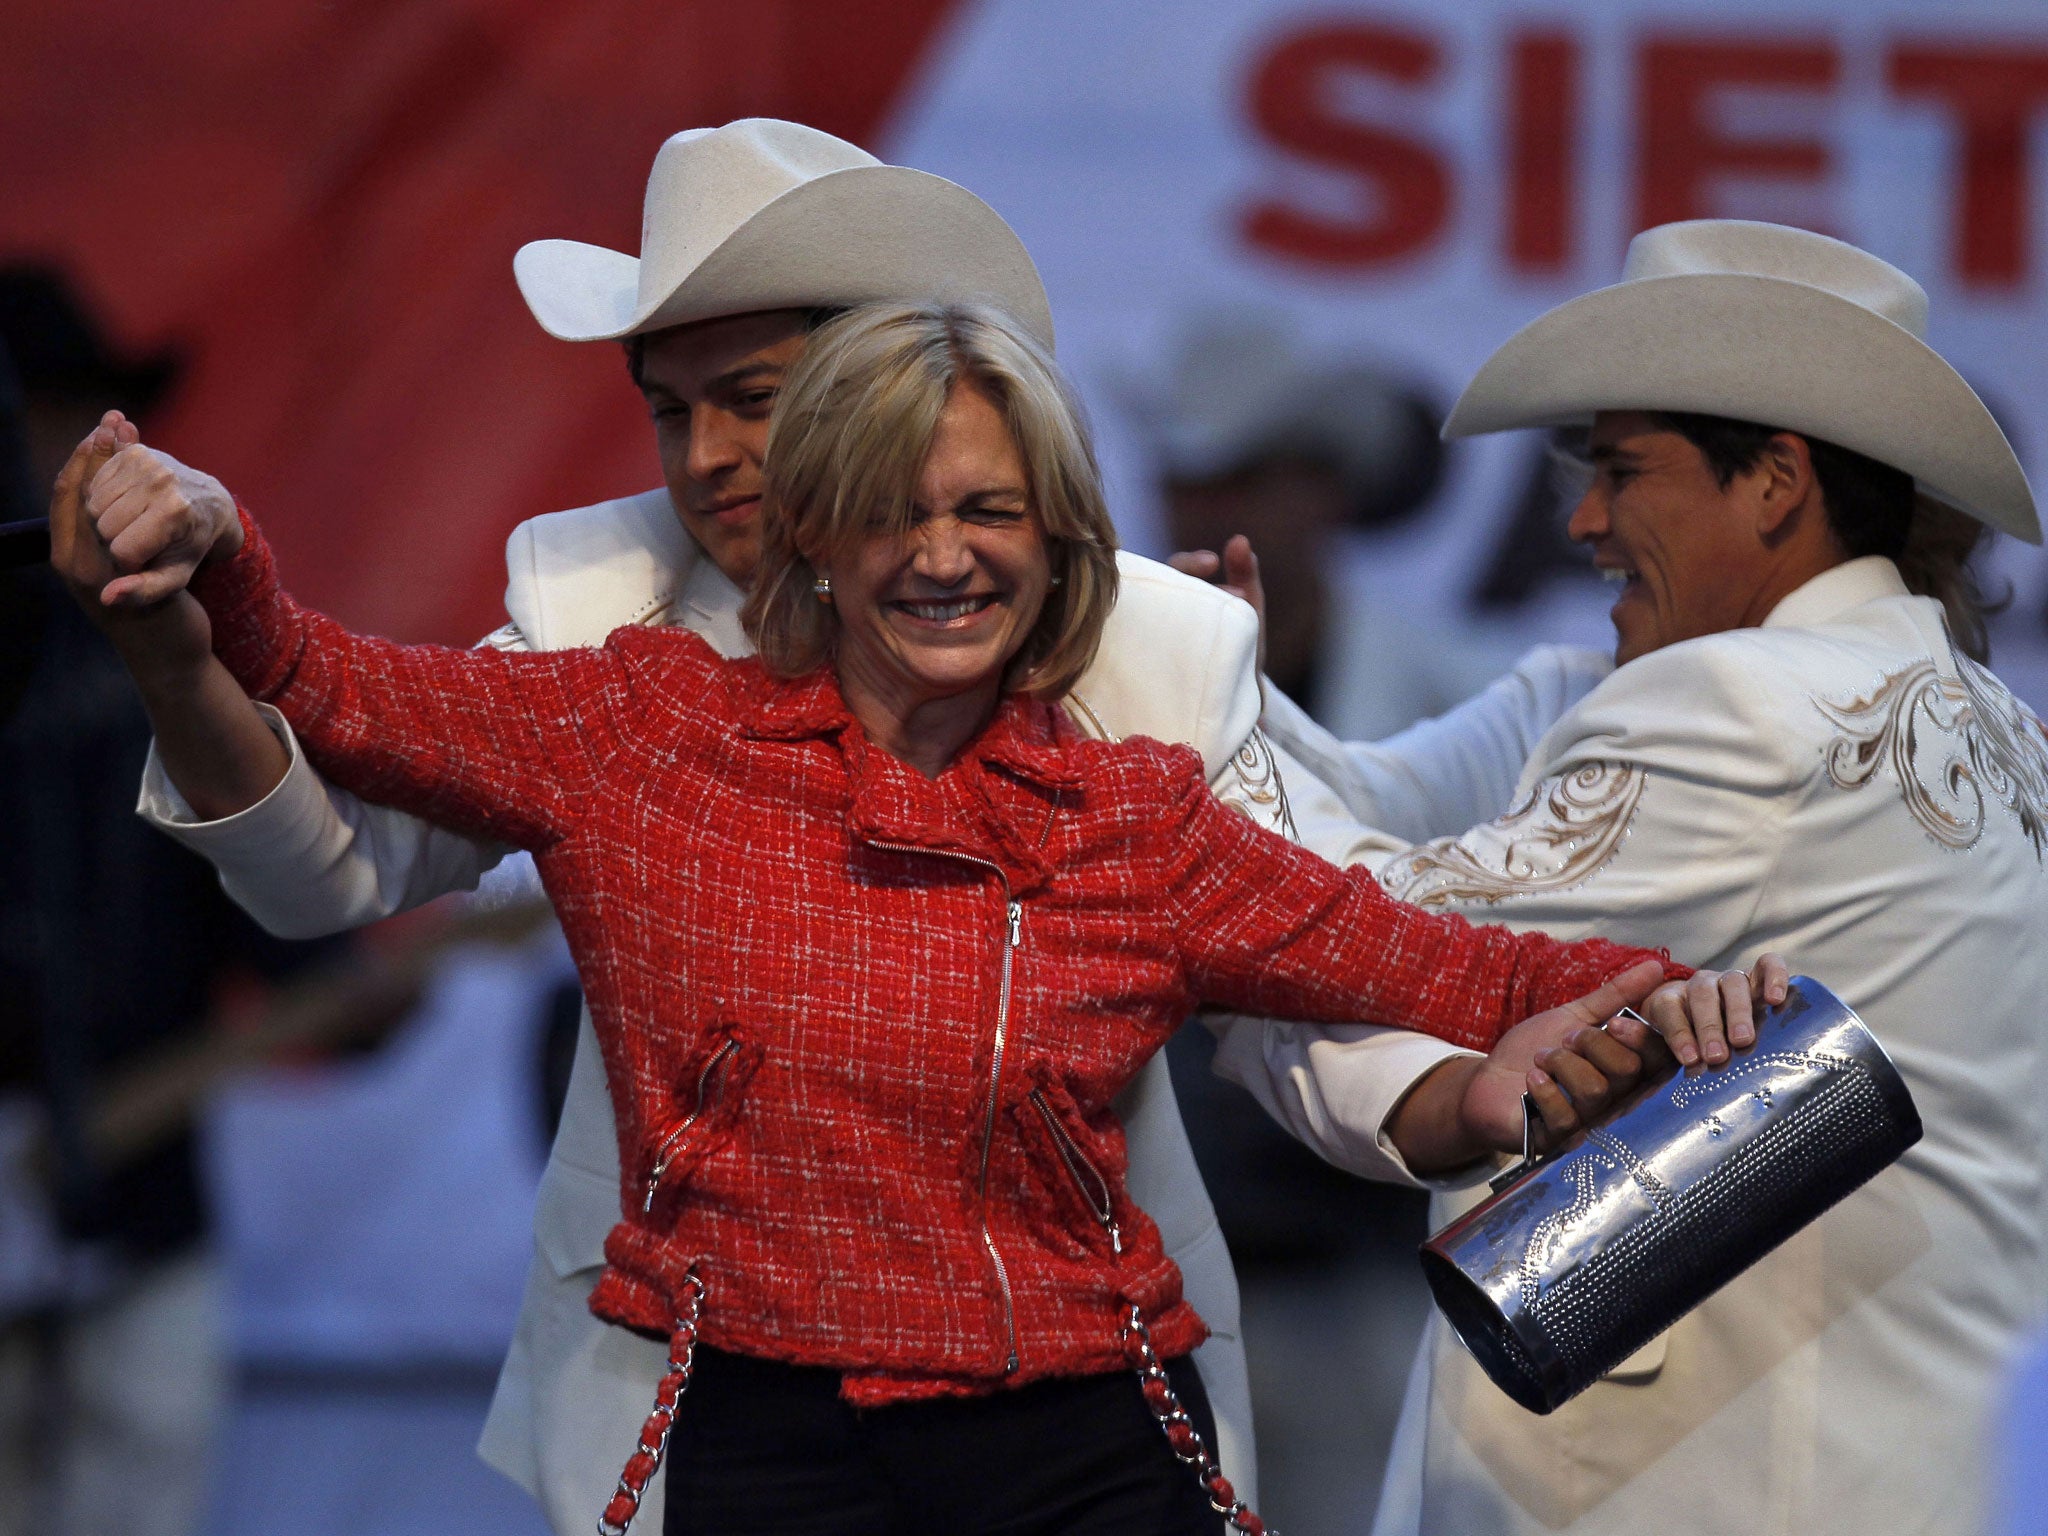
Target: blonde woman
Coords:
[(872, 939)]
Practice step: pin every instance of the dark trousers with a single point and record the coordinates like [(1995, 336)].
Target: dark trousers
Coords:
[(763, 1447)]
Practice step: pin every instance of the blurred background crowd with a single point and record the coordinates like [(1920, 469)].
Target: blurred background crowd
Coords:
[(259, 1255)]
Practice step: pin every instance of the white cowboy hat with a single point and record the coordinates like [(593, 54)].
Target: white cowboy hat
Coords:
[(763, 214), (1766, 324)]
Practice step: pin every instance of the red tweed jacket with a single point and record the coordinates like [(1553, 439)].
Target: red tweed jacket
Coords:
[(863, 1028)]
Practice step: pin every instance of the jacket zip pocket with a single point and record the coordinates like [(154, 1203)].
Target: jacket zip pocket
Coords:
[(665, 1154), (1088, 1180)]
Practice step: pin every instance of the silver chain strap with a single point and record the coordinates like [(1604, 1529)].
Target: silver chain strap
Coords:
[(1181, 1435), (646, 1458)]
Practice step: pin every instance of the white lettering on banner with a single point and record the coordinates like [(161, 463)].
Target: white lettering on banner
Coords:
[(1406, 184)]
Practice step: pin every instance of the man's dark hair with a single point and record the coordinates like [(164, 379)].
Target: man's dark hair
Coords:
[(636, 346), (1872, 509)]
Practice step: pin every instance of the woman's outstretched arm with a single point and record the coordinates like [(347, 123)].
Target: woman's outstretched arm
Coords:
[(486, 743), (213, 740), (1267, 927)]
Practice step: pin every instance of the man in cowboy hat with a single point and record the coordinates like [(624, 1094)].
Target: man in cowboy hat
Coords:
[(750, 230), (1796, 751)]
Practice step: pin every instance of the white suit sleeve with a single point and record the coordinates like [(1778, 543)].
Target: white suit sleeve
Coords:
[(1439, 776), (1656, 816), (1332, 1087), (1365, 803), (310, 859), (1178, 662), (1270, 1059), (1655, 813)]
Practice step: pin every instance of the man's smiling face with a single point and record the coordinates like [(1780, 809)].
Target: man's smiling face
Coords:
[(711, 389), (1682, 545)]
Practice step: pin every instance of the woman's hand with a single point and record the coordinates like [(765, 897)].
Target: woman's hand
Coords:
[(128, 526), (1703, 1017), (1574, 1063), (166, 637), (155, 519)]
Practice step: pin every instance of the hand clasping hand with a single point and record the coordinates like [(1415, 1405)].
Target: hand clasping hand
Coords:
[(1577, 1061), (1573, 1062), (128, 526), (157, 519)]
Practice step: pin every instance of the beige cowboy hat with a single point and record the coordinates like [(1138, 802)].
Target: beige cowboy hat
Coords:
[(763, 214), (1766, 324)]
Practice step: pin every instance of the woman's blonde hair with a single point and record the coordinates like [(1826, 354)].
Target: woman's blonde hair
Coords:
[(852, 429)]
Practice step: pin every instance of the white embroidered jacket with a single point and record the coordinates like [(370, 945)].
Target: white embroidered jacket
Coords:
[(1176, 663), (1841, 786)]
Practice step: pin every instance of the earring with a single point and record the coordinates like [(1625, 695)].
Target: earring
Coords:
[(1057, 578), (823, 587)]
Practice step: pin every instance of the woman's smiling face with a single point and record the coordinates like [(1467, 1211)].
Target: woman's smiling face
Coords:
[(937, 613)]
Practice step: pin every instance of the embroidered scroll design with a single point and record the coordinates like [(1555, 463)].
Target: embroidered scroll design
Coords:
[(1557, 838), (1260, 785), (1954, 744), (1259, 794)]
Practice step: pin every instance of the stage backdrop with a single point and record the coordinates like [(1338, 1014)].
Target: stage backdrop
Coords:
[(321, 205), (1406, 184)]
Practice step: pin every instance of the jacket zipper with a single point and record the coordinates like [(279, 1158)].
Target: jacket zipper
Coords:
[(1013, 939), (1082, 1172), (664, 1154)]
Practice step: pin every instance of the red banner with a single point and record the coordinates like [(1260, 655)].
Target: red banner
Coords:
[(320, 205)]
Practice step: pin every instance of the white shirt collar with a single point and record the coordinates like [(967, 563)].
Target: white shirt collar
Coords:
[(1835, 591), (712, 605)]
